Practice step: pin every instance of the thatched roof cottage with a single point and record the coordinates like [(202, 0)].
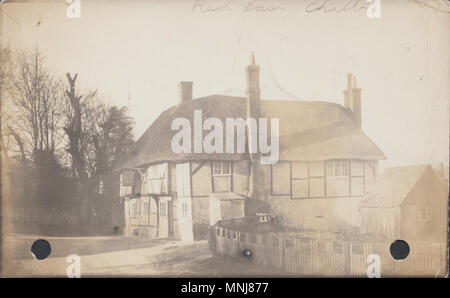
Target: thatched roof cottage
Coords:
[(325, 164)]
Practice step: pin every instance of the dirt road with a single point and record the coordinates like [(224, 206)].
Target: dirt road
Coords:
[(125, 256)]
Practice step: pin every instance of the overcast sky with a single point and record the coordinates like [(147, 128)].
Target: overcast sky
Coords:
[(135, 52)]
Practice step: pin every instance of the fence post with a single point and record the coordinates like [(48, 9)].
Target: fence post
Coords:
[(238, 238), (283, 248), (347, 256)]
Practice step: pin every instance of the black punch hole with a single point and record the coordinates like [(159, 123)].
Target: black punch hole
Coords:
[(41, 249), (399, 249), (247, 252)]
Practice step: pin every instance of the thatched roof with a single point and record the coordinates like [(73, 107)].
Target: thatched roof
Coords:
[(308, 131), (394, 186)]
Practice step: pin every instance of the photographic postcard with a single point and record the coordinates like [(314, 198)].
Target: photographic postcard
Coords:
[(224, 138)]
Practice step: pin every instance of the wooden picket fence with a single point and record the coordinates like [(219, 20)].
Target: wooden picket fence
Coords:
[(307, 256)]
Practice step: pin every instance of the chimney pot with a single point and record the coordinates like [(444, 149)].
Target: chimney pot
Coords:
[(185, 89), (253, 89), (352, 98)]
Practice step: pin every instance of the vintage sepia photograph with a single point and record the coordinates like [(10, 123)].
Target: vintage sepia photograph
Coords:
[(224, 138)]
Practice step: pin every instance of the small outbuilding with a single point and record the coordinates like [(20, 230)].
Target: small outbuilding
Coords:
[(407, 202)]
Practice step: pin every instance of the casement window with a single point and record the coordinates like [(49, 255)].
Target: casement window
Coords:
[(142, 211), (221, 168), (222, 176), (130, 183), (319, 179), (338, 169), (153, 216), (163, 209), (184, 209), (128, 178)]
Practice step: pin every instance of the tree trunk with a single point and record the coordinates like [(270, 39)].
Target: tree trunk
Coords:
[(73, 131)]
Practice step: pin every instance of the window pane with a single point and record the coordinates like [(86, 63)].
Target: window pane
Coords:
[(330, 168), (299, 170), (226, 168), (216, 166), (162, 209), (317, 187), (337, 169), (222, 168), (316, 169), (300, 188), (281, 178), (356, 168), (344, 169)]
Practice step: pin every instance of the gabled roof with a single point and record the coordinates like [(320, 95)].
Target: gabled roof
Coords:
[(308, 131), (394, 186)]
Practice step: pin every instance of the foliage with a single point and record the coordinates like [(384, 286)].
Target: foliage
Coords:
[(42, 126)]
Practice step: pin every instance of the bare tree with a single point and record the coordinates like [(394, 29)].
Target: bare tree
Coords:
[(38, 104), (55, 130), (76, 146), (98, 136), (10, 140)]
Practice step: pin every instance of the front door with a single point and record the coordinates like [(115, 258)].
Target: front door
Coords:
[(184, 203), (164, 216)]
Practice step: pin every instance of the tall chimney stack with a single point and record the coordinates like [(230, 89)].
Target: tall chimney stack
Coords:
[(185, 89), (253, 111), (253, 90), (352, 98)]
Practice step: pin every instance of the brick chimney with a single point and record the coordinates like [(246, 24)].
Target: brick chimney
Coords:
[(352, 98), (185, 89), (253, 111), (253, 90)]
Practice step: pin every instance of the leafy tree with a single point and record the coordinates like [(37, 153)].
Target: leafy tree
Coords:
[(98, 136)]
